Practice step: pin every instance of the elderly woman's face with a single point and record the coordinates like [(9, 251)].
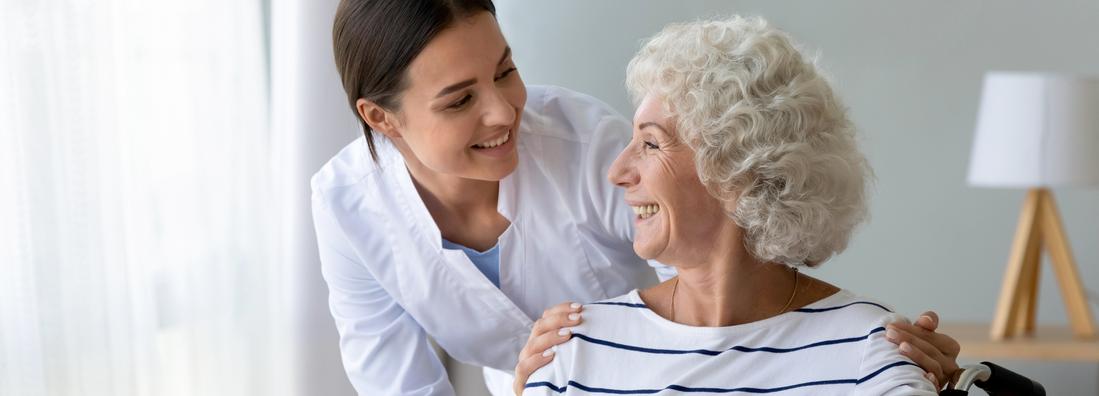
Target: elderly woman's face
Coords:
[(675, 217)]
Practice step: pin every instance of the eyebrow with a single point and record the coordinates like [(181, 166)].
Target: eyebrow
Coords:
[(644, 125), (463, 84)]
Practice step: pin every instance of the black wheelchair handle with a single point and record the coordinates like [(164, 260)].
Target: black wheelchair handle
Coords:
[(1004, 382)]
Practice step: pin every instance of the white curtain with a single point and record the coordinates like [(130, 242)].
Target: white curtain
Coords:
[(311, 121), (137, 201)]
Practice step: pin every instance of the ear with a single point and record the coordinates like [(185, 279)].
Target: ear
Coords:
[(378, 118)]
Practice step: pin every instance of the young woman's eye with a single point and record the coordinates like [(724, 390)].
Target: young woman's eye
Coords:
[(505, 74), (461, 102), (651, 146)]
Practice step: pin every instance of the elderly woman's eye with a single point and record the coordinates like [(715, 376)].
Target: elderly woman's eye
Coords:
[(652, 146), (505, 74)]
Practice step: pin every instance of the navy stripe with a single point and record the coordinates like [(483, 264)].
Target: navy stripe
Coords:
[(686, 389), (803, 310), (887, 367), (815, 310), (631, 305), (737, 348)]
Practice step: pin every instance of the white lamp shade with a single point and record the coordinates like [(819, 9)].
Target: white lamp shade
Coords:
[(1036, 130)]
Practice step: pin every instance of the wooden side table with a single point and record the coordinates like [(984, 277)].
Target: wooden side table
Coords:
[(1049, 343)]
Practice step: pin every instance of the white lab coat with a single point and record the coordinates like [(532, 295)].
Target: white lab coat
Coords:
[(392, 285)]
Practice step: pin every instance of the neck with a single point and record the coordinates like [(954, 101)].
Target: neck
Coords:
[(722, 284), (463, 209), (455, 196), (726, 286), (737, 291), (451, 195)]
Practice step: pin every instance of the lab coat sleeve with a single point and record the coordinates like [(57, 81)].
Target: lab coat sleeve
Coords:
[(384, 350), (663, 271), (612, 134)]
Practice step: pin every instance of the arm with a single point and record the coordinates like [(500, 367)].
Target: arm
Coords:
[(385, 352)]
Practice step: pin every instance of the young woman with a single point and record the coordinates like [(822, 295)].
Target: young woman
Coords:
[(470, 206)]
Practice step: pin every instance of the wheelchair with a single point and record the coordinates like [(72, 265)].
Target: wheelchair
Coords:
[(995, 380)]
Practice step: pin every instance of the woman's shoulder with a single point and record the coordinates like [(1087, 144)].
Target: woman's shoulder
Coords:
[(353, 182), (351, 165), (608, 315), (845, 308), (627, 303), (561, 113)]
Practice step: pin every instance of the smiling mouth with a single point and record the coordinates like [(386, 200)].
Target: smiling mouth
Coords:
[(494, 142), (646, 211)]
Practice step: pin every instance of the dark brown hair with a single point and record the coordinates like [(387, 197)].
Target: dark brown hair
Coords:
[(375, 41)]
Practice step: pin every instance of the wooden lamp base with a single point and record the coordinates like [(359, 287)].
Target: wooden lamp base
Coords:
[(1039, 227)]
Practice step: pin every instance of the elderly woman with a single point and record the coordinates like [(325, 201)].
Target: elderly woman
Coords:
[(743, 167)]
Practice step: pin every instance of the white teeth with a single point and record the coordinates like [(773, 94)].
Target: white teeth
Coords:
[(646, 211), (494, 143)]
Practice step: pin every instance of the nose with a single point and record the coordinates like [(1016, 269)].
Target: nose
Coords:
[(623, 172), (498, 110)]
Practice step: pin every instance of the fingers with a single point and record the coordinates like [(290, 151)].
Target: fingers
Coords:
[(542, 344), (946, 345), (550, 330), (562, 307), (928, 320), (927, 363), (527, 366), (923, 353), (553, 328), (940, 347), (934, 381), (553, 318)]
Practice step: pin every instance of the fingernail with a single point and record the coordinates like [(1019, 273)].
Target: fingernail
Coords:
[(548, 353), (564, 331), (575, 305), (574, 316), (905, 347), (890, 334), (926, 318)]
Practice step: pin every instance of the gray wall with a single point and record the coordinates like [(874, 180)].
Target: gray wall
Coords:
[(910, 73)]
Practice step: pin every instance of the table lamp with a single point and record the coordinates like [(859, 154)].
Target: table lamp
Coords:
[(1037, 131)]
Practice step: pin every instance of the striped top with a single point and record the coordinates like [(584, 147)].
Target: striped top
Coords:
[(835, 346)]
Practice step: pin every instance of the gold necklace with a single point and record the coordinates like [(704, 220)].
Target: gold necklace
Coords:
[(675, 285), (792, 294)]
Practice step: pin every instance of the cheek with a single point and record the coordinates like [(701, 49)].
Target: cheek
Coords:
[(649, 243), (665, 182), (516, 93), (692, 204), (701, 215), (438, 140)]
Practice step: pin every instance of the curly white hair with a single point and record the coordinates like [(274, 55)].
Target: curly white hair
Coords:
[(771, 139)]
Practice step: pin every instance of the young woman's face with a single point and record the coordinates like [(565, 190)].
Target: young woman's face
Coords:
[(460, 113)]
